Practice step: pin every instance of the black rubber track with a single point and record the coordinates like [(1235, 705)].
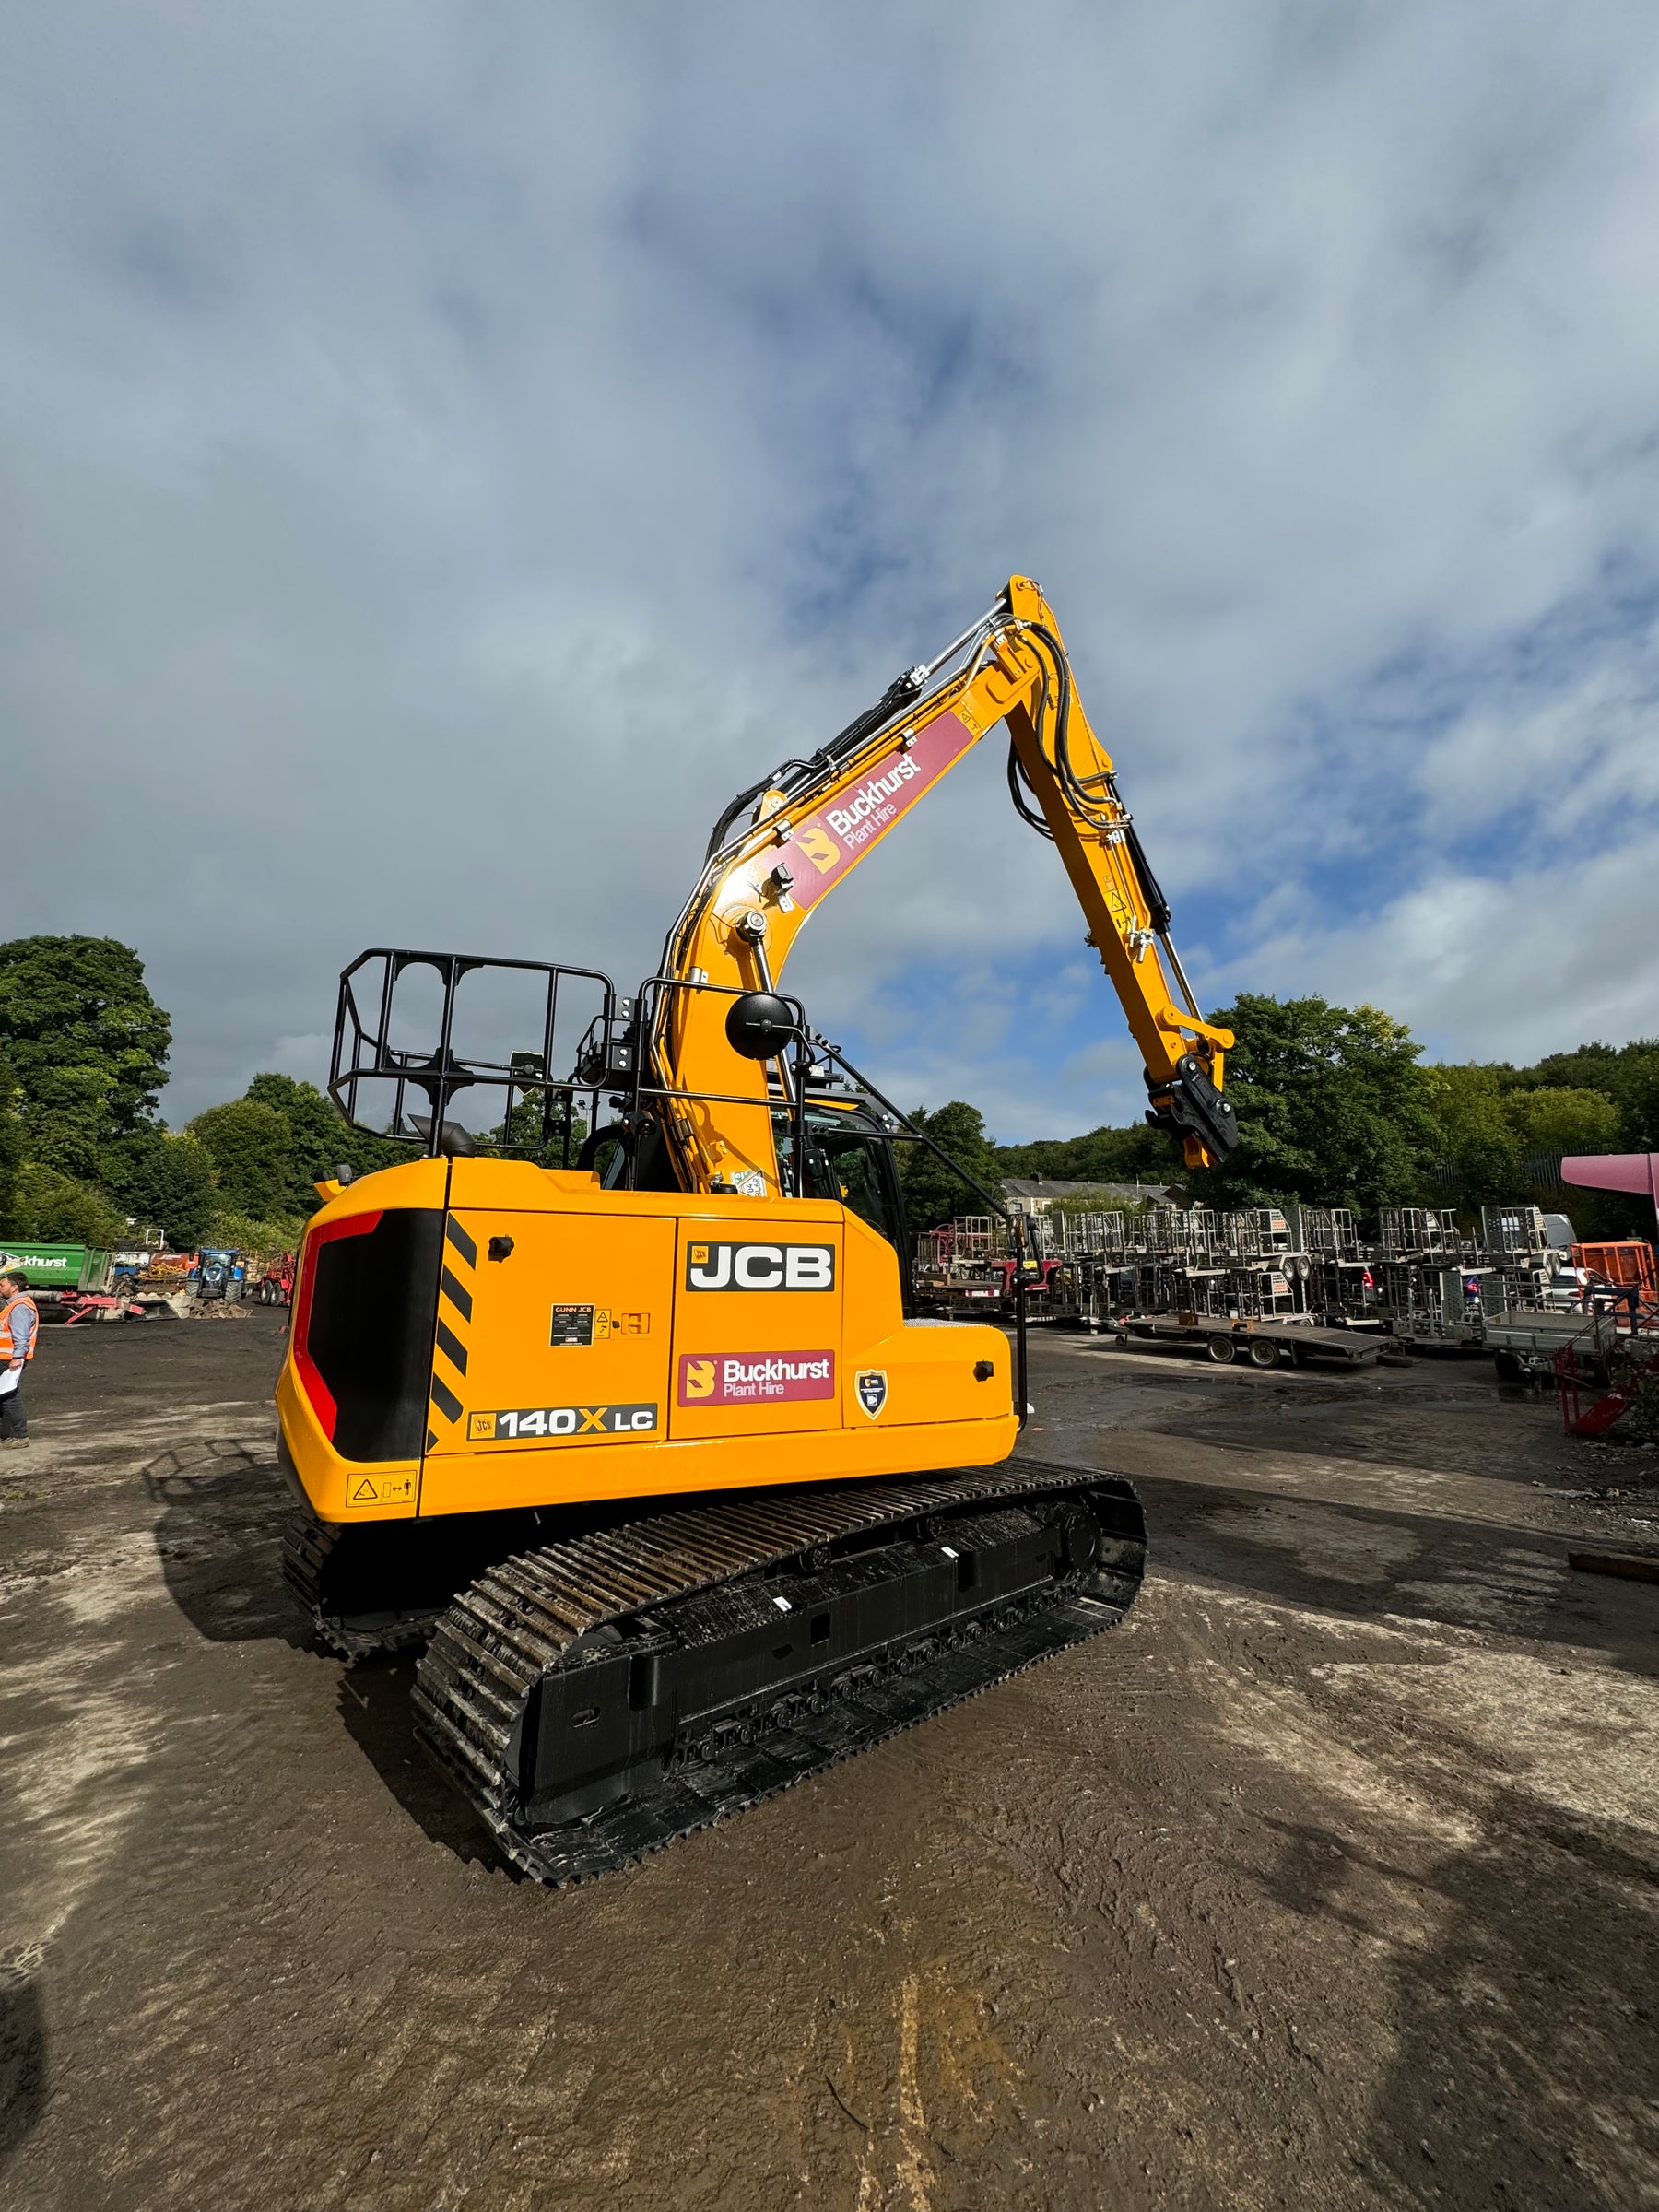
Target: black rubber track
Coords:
[(343, 1617), (497, 1639)]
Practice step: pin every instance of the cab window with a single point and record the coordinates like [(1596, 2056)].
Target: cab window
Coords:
[(853, 1165)]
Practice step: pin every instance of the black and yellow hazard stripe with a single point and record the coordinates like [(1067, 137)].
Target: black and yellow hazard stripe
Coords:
[(454, 1320)]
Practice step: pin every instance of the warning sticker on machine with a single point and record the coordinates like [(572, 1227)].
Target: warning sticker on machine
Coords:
[(588, 1423), (753, 1378), (594, 1324), (379, 1489)]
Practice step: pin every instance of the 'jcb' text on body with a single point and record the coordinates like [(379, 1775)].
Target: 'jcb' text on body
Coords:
[(759, 1267)]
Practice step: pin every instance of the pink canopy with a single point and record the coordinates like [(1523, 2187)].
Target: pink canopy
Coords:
[(1637, 1171)]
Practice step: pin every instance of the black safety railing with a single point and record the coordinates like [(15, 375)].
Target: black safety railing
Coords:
[(539, 1106)]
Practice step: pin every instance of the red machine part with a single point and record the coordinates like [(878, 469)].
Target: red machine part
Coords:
[(317, 1390)]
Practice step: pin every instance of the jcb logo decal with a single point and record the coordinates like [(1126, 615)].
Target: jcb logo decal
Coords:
[(760, 1267)]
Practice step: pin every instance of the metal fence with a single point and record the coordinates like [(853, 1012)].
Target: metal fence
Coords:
[(1421, 1275)]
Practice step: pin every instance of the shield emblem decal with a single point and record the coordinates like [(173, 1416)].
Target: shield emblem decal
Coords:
[(871, 1385)]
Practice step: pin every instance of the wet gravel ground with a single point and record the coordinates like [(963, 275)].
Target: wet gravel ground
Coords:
[(1326, 1881)]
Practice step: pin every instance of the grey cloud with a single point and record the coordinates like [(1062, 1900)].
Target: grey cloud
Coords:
[(448, 449)]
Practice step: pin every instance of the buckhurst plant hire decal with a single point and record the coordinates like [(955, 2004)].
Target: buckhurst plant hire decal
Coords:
[(834, 838), (755, 1378)]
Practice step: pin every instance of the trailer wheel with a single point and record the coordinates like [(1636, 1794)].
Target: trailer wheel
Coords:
[(1221, 1349), (1262, 1353)]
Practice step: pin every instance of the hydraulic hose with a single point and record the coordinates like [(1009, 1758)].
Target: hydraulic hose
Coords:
[(1083, 793)]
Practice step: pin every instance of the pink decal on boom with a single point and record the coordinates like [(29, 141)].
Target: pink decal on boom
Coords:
[(831, 840)]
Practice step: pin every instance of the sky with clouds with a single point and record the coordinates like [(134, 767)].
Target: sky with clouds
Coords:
[(448, 449)]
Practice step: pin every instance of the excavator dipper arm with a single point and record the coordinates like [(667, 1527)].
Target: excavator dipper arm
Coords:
[(813, 821)]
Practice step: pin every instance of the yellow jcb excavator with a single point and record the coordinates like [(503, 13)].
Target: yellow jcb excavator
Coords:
[(620, 1403)]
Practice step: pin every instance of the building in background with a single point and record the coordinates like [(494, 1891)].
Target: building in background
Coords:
[(1034, 1195)]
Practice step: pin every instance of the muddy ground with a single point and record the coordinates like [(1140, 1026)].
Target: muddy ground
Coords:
[(1326, 1881)]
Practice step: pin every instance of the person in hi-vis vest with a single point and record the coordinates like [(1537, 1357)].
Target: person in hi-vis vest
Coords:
[(19, 1327)]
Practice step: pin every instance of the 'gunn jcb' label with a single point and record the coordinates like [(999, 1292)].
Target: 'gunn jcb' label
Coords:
[(759, 1267), (587, 1325), (753, 1378), (585, 1422)]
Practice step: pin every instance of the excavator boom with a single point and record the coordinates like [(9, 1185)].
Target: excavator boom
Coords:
[(812, 823)]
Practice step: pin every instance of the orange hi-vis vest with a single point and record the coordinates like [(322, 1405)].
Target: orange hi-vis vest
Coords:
[(7, 1312)]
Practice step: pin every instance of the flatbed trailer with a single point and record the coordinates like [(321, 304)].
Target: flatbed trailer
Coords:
[(1421, 1332), (1262, 1343), (1526, 1343)]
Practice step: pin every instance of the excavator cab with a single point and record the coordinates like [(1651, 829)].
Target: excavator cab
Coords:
[(849, 1157)]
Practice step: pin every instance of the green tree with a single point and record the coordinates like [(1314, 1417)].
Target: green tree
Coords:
[(11, 1147), (1637, 1098), (1626, 1074), (1497, 1140), (931, 1193), (249, 1144), (87, 1043), (1333, 1107), (230, 1230), (51, 1208), (523, 1127), (1476, 1139), (1137, 1153), (164, 1183), (1548, 1123), (319, 1139)]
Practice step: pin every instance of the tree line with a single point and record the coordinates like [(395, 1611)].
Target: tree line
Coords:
[(85, 1156), (1336, 1107)]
